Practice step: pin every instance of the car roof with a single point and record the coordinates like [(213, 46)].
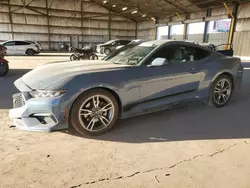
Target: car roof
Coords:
[(161, 42)]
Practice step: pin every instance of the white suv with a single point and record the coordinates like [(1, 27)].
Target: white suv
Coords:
[(21, 48)]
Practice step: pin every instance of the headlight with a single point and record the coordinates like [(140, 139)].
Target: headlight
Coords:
[(47, 93)]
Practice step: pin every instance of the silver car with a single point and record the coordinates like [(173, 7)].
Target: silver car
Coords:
[(92, 95), (22, 47)]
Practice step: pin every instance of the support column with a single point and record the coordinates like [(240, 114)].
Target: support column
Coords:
[(205, 34), (136, 30), (169, 28), (48, 23), (185, 28), (82, 23), (233, 25), (11, 21), (109, 25)]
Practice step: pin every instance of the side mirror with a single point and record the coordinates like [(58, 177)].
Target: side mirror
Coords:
[(159, 62)]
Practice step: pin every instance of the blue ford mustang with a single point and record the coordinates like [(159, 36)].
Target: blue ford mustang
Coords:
[(92, 95)]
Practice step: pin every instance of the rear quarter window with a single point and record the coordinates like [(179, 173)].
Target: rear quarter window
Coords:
[(200, 54)]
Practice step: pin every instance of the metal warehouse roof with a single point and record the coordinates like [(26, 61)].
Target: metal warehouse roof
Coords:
[(139, 10)]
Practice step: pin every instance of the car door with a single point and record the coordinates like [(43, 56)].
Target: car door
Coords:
[(21, 47), (157, 81), (187, 65), (179, 76), (10, 47)]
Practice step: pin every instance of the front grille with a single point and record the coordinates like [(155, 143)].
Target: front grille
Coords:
[(18, 100)]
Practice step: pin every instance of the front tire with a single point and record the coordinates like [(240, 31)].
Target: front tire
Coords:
[(107, 51), (4, 69), (220, 92), (94, 112)]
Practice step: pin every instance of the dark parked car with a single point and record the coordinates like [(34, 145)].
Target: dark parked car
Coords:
[(110, 46), (92, 95), (130, 46)]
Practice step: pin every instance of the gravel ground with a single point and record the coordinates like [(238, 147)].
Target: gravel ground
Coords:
[(192, 146)]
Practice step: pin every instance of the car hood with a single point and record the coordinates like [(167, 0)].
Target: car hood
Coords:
[(48, 74)]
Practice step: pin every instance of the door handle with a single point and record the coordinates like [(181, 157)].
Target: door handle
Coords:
[(193, 70)]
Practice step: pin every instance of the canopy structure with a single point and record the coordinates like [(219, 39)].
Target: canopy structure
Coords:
[(140, 10)]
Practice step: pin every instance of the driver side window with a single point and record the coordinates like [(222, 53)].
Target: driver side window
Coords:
[(164, 52), (12, 43), (182, 54)]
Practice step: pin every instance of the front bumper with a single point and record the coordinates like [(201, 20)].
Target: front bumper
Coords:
[(42, 115)]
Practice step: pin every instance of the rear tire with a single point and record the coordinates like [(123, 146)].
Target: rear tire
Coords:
[(4, 69), (30, 52), (94, 112), (220, 92), (73, 57)]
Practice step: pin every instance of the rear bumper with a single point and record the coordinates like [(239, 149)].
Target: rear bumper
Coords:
[(41, 115)]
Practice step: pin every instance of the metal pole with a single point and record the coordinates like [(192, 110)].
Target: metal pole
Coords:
[(233, 23), (136, 30), (48, 23), (205, 34), (11, 21), (109, 25)]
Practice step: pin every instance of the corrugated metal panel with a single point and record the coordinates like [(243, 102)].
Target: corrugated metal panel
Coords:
[(241, 43), (243, 24), (218, 38), (4, 18), (29, 28), (220, 10), (199, 14), (36, 37), (5, 36), (195, 37), (73, 31), (95, 23), (66, 5), (4, 8), (5, 27), (243, 11), (146, 25), (177, 37), (125, 25)]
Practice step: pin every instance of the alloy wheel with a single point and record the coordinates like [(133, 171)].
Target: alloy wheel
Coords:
[(96, 113), (222, 91)]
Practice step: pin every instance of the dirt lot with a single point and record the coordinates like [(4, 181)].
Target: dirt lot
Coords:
[(194, 146)]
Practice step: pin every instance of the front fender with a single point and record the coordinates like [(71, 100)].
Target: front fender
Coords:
[(74, 96)]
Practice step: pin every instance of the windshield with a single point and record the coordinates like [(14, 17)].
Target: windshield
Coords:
[(132, 56), (109, 42)]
